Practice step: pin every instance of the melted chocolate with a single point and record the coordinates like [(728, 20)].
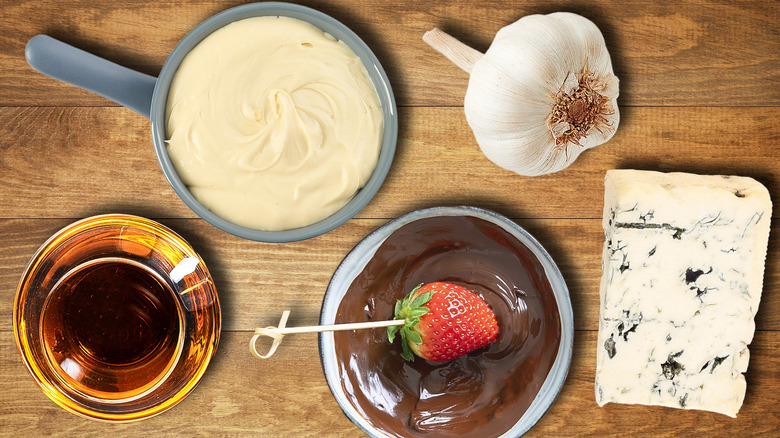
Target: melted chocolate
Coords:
[(481, 394)]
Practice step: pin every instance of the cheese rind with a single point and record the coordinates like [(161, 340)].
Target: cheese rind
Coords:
[(683, 266)]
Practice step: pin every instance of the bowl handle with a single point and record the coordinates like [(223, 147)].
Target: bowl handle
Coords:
[(62, 61)]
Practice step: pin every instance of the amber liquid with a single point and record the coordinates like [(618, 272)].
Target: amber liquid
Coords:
[(112, 329)]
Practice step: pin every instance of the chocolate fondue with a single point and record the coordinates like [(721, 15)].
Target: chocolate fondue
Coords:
[(481, 394)]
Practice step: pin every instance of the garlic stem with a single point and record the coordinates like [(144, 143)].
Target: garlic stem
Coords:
[(460, 54)]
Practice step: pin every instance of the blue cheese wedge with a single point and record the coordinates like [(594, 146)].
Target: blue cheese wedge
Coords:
[(683, 267)]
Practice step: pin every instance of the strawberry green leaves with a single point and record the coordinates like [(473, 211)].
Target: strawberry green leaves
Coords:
[(410, 309), (442, 321)]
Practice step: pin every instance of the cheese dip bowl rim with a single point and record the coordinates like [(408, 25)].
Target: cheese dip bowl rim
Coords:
[(363, 252), (326, 24)]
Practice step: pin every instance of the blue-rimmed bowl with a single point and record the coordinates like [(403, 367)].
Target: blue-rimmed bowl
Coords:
[(148, 95), (362, 253)]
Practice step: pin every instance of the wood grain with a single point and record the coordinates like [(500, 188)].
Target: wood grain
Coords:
[(694, 52), (238, 395), (576, 413), (256, 281), (105, 156), (241, 395), (700, 92)]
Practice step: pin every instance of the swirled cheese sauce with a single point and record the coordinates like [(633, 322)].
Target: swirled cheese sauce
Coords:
[(272, 123)]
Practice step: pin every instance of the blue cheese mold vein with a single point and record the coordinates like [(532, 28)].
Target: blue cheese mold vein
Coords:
[(683, 266)]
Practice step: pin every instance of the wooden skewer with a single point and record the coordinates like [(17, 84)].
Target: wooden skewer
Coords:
[(277, 333), (334, 327)]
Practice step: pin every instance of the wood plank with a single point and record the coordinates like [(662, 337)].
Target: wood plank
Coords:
[(692, 52), (68, 161), (238, 395), (257, 281), (72, 162), (576, 412), (700, 92), (241, 395)]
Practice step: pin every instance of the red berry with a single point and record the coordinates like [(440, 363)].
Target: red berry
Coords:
[(443, 321)]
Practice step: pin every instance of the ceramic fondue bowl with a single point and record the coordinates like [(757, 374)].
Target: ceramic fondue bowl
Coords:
[(500, 390)]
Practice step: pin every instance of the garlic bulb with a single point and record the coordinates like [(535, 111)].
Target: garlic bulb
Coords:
[(542, 93)]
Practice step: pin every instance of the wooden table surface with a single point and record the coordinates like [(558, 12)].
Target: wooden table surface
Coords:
[(699, 92)]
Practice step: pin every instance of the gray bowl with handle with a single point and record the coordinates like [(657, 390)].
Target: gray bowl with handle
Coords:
[(147, 96)]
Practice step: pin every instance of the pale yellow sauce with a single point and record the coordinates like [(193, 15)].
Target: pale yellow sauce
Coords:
[(272, 123)]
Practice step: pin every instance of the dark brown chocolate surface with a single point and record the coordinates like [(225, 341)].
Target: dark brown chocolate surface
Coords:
[(481, 394)]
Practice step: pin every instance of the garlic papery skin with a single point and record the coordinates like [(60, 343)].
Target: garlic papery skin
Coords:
[(543, 93)]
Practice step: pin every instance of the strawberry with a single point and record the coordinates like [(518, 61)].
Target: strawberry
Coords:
[(443, 321)]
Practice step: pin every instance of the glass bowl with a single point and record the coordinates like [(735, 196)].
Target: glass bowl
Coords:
[(116, 318)]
